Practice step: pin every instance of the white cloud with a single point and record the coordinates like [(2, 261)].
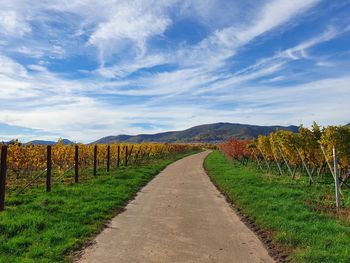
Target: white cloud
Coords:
[(10, 68), (37, 68), (125, 68), (223, 43), (201, 85), (322, 101), (131, 23), (275, 79), (299, 51), (12, 24), (273, 15)]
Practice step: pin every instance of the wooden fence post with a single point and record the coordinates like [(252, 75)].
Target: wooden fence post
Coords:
[(3, 169), (137, 155), (130, 152), (126, 155), (76, 164), (336, 178), (118, 156), (95, 160), (108, 156), (48, 168)]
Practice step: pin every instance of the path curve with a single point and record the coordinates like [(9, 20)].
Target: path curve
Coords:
[(178, 217)]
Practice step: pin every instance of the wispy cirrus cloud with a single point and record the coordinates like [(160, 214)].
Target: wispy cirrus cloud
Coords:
[(84, 69)]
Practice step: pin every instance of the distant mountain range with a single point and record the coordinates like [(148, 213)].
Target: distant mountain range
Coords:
[(209, 133), (42, 142)]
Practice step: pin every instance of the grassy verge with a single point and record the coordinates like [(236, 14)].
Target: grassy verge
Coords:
[(47, 227), (283, 207)]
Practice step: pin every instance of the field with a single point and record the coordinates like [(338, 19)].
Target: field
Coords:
[(292, 213)]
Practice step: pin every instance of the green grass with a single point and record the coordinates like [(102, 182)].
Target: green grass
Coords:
[(47, 227), (282, 206)]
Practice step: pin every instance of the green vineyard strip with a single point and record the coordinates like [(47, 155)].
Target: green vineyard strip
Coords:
[(281, 206), (47, 227)]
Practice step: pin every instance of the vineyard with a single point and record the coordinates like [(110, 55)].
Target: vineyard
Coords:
[(318, 153), (25, 166)]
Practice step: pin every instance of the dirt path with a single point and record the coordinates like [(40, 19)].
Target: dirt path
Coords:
[(178, 217)]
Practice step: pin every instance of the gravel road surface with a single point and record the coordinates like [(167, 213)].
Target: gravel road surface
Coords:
[(178, 217)]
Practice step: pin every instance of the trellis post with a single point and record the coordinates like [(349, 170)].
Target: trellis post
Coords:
[(126, 155), (76, 164), (118, 156), (336, 178), (305, 166), (48, 168), (3, 170), (285, 161), (95, 160), (108, 157)]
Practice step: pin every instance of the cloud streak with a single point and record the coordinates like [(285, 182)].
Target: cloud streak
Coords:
[(86, 69)]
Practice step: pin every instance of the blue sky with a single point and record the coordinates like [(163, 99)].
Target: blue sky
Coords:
[(83, 69)]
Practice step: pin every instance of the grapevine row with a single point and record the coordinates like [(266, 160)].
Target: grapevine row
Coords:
[(313, 152), (25, 165)]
